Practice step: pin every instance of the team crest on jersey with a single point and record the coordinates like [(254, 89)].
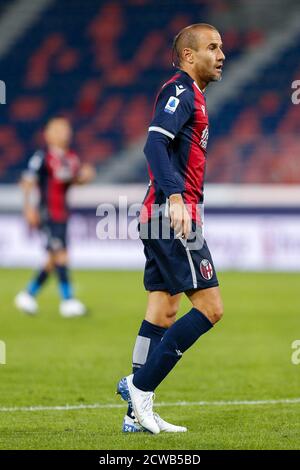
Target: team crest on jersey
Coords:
[(171, 105), (206, 269), (203, 109)]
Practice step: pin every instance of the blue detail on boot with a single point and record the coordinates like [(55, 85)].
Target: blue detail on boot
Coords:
[(122, 389)]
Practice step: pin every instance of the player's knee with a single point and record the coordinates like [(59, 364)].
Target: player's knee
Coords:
[(215, 312), (218, 313), (60, 257), (170, 317), (164, 319), (49, 267)]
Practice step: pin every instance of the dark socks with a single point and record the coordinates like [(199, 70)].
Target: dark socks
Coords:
[(36, 284), (177, 339), (65, 286), (149, 337)]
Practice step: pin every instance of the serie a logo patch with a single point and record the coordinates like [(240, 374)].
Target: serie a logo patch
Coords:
[(206, 269), (171, 105)]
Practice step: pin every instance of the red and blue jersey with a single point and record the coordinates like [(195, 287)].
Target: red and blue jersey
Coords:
[(54, 171), (176, 145)]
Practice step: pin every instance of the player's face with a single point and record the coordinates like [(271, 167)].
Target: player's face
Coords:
[(209, 58), (59, 133)]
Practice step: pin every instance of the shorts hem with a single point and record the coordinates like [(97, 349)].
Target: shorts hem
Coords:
[(153, 287), (179, 290)]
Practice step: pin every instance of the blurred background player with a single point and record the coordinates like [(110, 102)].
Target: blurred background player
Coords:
[(50, 173)]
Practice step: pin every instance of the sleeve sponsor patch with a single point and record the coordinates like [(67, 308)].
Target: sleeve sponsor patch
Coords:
[(171, 105)]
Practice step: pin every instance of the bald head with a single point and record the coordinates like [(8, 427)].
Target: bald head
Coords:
[(199, 53), (189, 38)]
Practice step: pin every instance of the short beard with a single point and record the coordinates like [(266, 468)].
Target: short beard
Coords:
[(215, 79)]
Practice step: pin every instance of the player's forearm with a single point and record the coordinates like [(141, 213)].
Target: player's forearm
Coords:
[(158, 158), (29, 193)]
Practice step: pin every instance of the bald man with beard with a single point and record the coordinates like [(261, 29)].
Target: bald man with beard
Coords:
[(171, 228)]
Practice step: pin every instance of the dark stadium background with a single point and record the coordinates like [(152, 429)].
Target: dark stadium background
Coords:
[(101, 63)]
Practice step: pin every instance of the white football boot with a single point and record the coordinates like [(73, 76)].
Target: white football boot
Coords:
[(26, 303), (164, 426), (131, 425), (141, 403), (72, 308)]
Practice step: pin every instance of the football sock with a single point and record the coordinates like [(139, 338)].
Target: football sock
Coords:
[(36, 284), (65, 286), (149, 337), (177, 339)]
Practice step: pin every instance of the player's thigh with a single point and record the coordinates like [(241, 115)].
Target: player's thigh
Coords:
[(162, 308), (50, 262), (60, 257), (56, 239), (208, 301)]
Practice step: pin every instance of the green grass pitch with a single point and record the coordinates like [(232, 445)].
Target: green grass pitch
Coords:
[(53, 361)]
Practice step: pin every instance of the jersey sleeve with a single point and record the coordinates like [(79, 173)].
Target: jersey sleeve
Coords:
[(156, 151), (35, 166), (173, 109)]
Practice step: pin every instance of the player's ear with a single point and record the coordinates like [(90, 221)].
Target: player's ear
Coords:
[(187, 55)]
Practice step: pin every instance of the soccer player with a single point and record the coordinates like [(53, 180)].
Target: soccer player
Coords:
[(50, 173), (176, 155)]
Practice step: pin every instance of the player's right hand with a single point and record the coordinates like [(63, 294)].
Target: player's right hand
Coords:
[(86, 174), (180, 218), (32, 216)]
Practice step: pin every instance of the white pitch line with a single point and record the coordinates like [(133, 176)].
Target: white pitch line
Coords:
[(282, 401)]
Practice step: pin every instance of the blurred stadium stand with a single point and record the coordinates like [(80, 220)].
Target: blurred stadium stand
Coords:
[(101, 63)]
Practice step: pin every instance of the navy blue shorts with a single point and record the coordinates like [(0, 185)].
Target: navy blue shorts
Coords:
[(55, 235), (176, 265)]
